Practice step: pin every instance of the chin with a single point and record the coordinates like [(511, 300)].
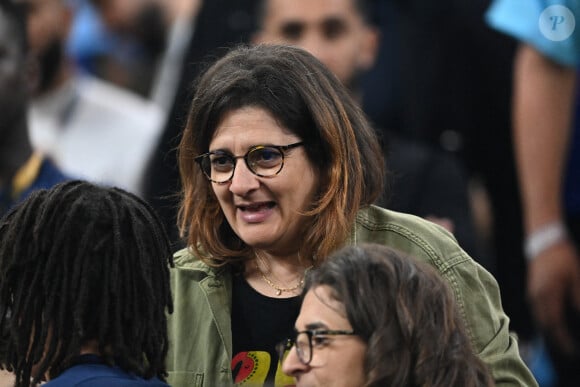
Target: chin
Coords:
[(256, 240)]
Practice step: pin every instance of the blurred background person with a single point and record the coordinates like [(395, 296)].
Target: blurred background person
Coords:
[(138, 45), (421, 180), (21, 169), (412, 335), (132, 36), (89, 127), (546, 126), (444, 77), (104, 38), (84, 289)]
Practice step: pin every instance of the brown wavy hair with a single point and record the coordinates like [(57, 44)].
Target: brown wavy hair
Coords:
[(406, 314), (306, 99)]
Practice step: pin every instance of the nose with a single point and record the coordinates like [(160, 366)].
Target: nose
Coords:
[(292, 366), (314, 43), (243, 180)]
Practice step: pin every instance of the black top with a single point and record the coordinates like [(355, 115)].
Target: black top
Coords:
[(258, 324)]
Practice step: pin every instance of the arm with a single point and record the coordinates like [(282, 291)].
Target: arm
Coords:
[(543, 111)]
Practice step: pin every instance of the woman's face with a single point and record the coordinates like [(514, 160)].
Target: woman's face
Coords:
[(337, 360), (264, 211)]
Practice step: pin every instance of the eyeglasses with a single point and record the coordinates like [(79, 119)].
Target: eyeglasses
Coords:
[(261, 160), (305, 341)]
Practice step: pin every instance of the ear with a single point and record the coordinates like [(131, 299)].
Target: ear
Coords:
[(369, 48)]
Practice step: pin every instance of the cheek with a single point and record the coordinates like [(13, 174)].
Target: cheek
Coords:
[(357, 362), (221, 194), (346, 367)]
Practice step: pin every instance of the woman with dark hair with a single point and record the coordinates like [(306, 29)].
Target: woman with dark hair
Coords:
[(373, 317), (84, 289), (279, 169)]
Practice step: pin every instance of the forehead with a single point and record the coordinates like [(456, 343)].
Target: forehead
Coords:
[(320, 309), (249, 125), (308, 11)]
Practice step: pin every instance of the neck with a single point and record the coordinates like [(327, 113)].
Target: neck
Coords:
[(272, 275), (290, 263), (90, 348)]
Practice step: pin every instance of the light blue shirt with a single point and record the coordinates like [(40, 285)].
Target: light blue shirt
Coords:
[(526, 21)]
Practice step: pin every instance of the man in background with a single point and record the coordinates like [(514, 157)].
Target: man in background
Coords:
[(340, 34)]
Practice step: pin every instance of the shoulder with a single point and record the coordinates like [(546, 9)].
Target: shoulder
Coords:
[(89, 375), (409, 234), (189, 268), (50, 174), (185, 259), (47, 176)]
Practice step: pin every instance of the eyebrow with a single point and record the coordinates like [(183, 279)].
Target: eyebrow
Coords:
[(220, 151), (333, 20), (315, 326), (292, 26), (228, 151)]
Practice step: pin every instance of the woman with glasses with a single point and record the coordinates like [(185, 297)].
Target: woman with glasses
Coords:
[(412, 335), (279, 169)]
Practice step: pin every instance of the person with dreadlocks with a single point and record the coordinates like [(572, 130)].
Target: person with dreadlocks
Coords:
[(84, 288)]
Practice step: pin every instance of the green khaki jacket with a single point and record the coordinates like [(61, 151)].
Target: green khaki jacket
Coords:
[(199, 329)]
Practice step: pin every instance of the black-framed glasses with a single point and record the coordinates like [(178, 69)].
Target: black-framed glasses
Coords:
[(261, 160), (306, 341)]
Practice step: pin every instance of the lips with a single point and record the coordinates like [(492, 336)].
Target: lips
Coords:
[(257, 212), (257, 206)]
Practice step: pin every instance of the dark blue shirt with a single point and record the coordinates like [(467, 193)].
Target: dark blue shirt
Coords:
[(48, 175), (91, 371)]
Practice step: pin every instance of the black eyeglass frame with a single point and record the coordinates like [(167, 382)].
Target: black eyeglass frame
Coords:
[(288, 343), (281, 148)]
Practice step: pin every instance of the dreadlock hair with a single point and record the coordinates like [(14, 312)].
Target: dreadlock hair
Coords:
[(81, 263)]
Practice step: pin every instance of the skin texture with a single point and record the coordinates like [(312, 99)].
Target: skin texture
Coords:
[(275, 226), (7, 378), (46, 22), (337, 360), (543, 110), (331, 30)]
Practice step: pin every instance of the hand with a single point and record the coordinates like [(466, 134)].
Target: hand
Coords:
[(553, 279)]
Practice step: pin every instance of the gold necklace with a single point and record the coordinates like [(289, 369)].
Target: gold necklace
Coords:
[(280, 290)]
